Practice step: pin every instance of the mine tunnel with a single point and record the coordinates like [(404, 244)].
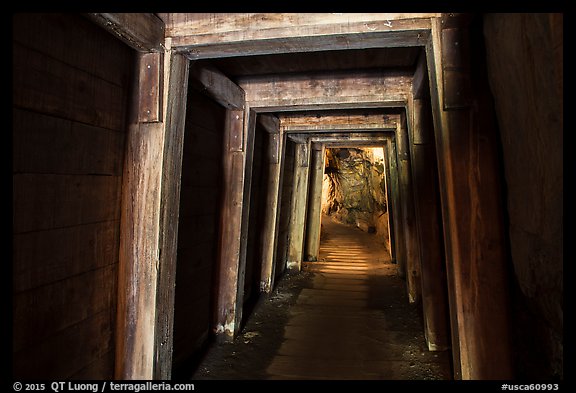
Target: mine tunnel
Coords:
[(287, 196)]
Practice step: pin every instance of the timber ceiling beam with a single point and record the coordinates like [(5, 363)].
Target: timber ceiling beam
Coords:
[(352, 139), (291, 122), (202, 36), (270, 123), (327, 91), (141, 31), (218, 86)]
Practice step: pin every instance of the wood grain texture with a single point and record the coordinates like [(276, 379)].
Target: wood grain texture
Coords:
[(313, 224), (141, 31), (263, 23), (295, 122), (68, 352), (272, 217), (473, 226), (43, 311), (229, 245), (47, 85), (71, 83), (427, 215), (148, 233), (270, 123), (399, 234), (222, 35), (84, 44), (39, 258), (216, 85), (150, 89), (64, 147), (298, 207), (169, 213), (333, 90), (67, 200), (405, 188)]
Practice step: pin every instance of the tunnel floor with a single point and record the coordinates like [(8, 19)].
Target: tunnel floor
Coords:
[(346, 316)]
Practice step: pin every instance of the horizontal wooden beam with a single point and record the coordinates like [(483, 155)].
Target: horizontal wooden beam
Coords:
[(270, 123), (217, 85), (203, 36), (336, 90), (363, 103), (141, 31), (351, 139), (355, 145), (295, 122)]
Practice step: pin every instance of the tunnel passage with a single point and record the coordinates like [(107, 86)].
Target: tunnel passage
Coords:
[(346, 316), (105, 175)]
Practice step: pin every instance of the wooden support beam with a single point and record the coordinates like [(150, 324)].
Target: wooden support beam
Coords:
[(271, 218), (270, 123), (237, 175), (412, 246), (298, 207), (227, 34), (150, 87), (149, 222), (217, 86), (391, 217), (335, 90), (169, 214), (295, 122), (350, 139), (420, 78), (427, 214), (354, 144), (141, 31), (230, 228), (472, 212), (314, 215), (399, 241)]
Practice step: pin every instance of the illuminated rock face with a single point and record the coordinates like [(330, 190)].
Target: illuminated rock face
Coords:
[(355, 189)]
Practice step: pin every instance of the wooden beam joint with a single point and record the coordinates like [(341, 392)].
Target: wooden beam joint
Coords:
[(150, 89), (141, 31)]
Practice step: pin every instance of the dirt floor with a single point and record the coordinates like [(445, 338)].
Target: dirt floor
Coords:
[(346, 316)]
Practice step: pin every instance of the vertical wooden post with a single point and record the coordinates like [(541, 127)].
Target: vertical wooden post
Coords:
[(427, 209), (472, 207), (149, 220), (390, 234), (396, 217), (298, 209), (271, 217), (237, 174), (412, 247), (313, 225), (389, 202), (175, 115)]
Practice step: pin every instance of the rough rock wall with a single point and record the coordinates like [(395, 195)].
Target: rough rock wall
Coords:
[(524, 56), (354, 190)]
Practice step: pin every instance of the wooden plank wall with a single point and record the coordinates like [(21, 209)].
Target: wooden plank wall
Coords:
[(198, 225), (285, 206), (71, 85)]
